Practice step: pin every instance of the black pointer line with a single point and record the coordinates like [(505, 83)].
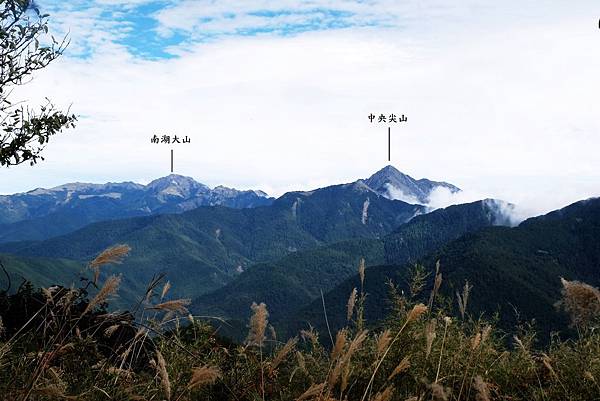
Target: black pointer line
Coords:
[(389, 144), (171, 160)]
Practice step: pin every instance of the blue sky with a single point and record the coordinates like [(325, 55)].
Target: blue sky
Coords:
[(501, 96), (156, 29)]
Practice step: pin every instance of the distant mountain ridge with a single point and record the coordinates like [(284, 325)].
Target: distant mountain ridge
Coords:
[(392, 184), (205, 248), (45, 213)]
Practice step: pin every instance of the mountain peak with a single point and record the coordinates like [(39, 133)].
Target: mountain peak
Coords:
[(393, 184), (388, 172), (173, 179), (176, 185)]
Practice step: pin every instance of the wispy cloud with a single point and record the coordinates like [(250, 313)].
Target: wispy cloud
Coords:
[(166, 28), (152, 28), (205, 20)]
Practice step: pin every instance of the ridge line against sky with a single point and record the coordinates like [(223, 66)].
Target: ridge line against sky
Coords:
[(275, 95)]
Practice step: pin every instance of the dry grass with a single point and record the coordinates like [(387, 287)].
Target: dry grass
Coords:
[(350, 305), (383, 340), (258, 325), (109, 288), (165, 290), (420, 354), (581, 301), (463, 300), (112, 255), (385, 395), (361, 271), (482, 389), (430, 334), (161, 370), (283, 353), (203, 376), (175, 306), (402, 367)]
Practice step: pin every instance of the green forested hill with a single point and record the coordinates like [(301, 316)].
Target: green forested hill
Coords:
[(203, 249), (297, 279), (288, 283), (42, 271), (423, 234), (513, 271)]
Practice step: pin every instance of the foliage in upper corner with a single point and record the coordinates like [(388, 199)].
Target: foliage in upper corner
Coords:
[(25, 132)]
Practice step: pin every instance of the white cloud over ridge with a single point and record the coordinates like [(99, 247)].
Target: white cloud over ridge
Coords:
[(514, 214), (398, 194), (442, 197)]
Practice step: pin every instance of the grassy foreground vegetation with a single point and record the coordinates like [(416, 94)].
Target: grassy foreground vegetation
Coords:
[(60, 343)]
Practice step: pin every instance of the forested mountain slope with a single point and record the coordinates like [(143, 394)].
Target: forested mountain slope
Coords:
[(297, 279), (205, 248), (513, 271)]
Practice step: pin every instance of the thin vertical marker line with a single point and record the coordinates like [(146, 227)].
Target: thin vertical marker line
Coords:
[(171, 160), (389, 144)]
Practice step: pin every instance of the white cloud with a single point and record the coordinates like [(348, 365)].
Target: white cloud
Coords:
[(442, 197), (398, 194), (207, 17), (513, 213), (503, 106), (225, 17)]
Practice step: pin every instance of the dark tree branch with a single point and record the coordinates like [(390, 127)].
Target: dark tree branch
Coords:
[(7, 276), (23, 132)]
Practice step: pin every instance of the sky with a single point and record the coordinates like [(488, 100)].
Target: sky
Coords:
[(501, 98)]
